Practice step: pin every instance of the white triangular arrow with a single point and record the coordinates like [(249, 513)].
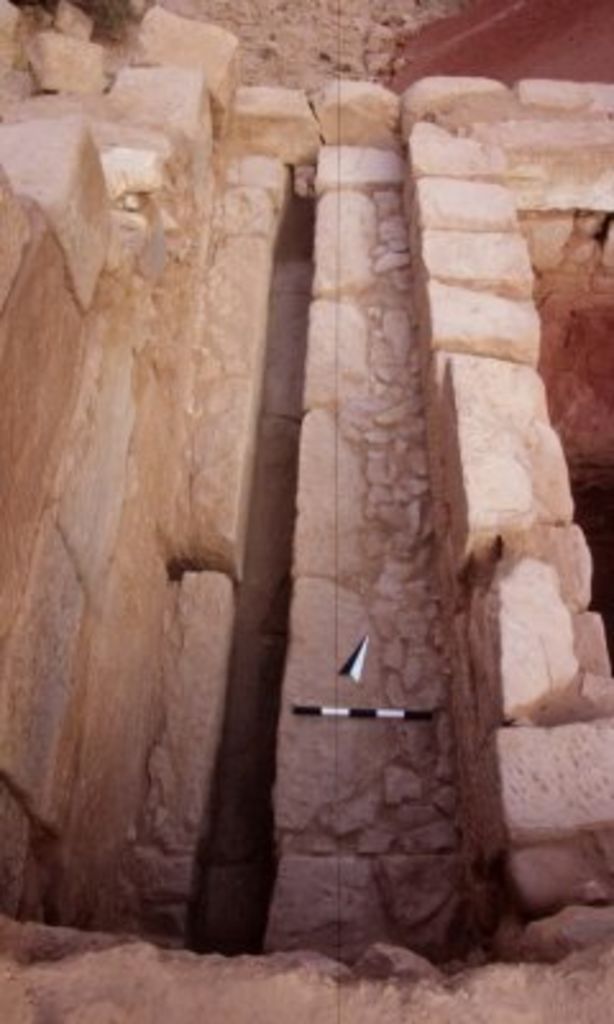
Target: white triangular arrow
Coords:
[(355, 664)]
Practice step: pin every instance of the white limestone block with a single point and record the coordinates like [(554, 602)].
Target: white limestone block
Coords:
[(170, 98), (480, 323), (275, 122), (557, 781), (129, 169), (56, 164), (345, 238), (434, 151), (14, 236), (437, 92), (169, 39), (451, 204), (358, 114), (337, 368), (62, 63), (505, 470), (359, 168), (497, 261), (591, 644)]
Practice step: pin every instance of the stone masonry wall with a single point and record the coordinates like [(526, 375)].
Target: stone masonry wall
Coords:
[(365, 811), (533, 705)]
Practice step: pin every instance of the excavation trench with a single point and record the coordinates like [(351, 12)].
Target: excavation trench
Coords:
[(238, 864)]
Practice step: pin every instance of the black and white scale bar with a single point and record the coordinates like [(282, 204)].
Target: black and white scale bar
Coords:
[(335, 712)]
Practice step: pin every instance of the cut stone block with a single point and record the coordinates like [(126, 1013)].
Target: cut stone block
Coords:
[(547, 236), (169, 98), (556, 165), (535, 635), (72, 21), (344, 269), (14, 235), (591, 644), (547, 877), (496, 261), (434, 151), (355, 167), (565, 548), (275, 122), (182, 765), (337, 369), (450, 204), (260, 172), (504, 465), (580, 96), (439, 92), (480, 323), (10, 30), (168, 39), (331, 491), (56, 164), (63, 64), (132, 170), (358, 114), (556, 781)]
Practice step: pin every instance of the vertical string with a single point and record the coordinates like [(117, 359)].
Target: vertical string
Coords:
[(338, 241)]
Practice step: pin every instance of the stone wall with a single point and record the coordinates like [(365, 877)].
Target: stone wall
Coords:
[(365, 811), (504, 184)]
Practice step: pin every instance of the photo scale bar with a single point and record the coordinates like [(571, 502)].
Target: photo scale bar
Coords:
[(319, 710)]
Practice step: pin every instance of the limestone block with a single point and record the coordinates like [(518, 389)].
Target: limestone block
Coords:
[(275, 122), (132, 170), (359, 168), (62, 63), (37, 677), (15, 87), (344, 269), (169, 98), (262, 172), (322, 505), (94, 488), (440, 92), (547, 877), (571, 930), (337, 369), (434, 151), (480, 323), (195, 668), (249, 211), (358, 114), (446, 203), (223, 458), (14, 236), (505, 468), (497, 261), (581, 96), (10, 26), (168, 39), (40, 334), (56, 164), (535, 635), (547, 236), (557, 781), (565, 548), (556, 165), (313, 923), (72, 21), (591, 644)]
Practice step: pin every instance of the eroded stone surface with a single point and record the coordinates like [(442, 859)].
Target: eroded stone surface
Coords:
[(452, 204), (62, 63), (347, 269), (275, 122), (434, 151), (491, 260)]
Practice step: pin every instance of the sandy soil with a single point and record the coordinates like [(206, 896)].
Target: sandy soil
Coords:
[(298, 44), (512, 39)]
